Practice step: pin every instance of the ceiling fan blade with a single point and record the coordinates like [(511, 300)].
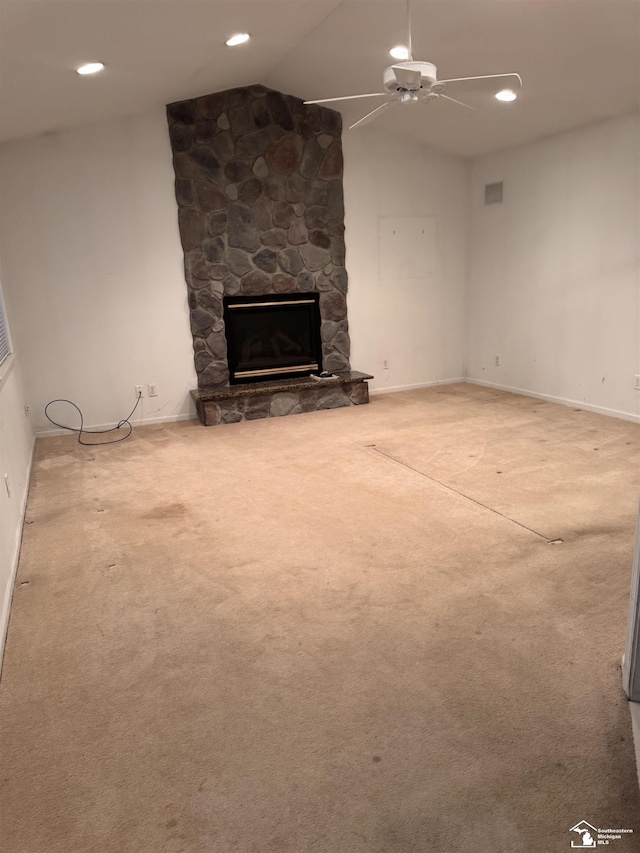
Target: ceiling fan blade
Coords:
[(348, 98), (447, 98), (485, 83), (406, 76), (370, 116)]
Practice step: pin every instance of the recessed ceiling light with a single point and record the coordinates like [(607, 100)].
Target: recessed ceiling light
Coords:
[(399, 52), (90, 68), (238, 38), (506, 95)]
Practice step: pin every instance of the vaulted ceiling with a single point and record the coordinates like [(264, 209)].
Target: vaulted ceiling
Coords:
[(579, 60)]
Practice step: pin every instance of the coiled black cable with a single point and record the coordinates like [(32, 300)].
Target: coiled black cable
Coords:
[(82, 431)]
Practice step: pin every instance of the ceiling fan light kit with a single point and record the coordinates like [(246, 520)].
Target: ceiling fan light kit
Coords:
[(415, 81), (409, 76)]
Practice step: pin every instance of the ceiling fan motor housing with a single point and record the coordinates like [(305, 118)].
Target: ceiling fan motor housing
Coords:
[(428, 76)]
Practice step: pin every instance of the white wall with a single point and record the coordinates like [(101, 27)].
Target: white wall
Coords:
[(554, 270), (417, 323), (16, 449), (92, 265)]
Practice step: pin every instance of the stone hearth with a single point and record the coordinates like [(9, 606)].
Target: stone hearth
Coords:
[(230, 404), (260, 207)]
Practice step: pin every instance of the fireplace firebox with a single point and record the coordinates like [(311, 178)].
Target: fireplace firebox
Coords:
[(272, 337)]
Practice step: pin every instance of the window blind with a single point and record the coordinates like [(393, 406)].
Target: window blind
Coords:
[(5, 349)]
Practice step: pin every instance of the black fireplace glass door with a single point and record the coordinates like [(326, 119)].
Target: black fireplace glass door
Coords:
[(272, 337)]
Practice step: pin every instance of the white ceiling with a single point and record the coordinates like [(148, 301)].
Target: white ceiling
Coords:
[(579, 60)]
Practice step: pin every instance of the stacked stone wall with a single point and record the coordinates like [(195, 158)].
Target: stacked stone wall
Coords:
[(258, 180)]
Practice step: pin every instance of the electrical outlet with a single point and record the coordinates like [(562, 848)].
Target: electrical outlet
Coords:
[(153, 389), (637, 382), (27, 410), (6, 485), (139, 390), (385, 364), (498, 360)]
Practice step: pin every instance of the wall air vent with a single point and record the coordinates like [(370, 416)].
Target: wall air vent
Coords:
[(493, 193)]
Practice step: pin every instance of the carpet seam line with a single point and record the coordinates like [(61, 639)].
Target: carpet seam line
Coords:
[(456, 492)]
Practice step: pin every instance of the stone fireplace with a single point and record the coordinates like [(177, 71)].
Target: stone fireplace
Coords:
[(258, 180)]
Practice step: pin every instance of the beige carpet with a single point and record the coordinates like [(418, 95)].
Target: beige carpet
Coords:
[(341, 632)]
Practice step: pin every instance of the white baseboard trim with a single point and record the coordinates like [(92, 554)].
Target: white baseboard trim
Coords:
[(395, 388), (8, 592), (165, 419), (562, 401)]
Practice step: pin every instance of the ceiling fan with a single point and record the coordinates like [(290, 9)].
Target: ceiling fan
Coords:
[(415, 81)]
